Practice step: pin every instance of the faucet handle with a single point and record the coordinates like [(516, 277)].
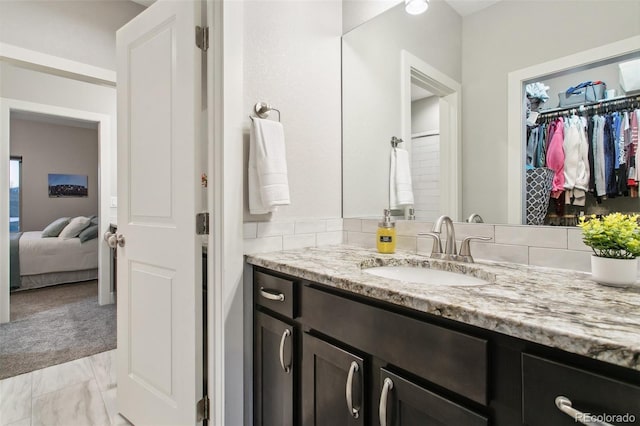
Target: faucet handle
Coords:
[(437, 244), (465, 248)]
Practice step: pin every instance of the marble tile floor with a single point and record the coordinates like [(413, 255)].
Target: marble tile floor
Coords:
[(77, 393)]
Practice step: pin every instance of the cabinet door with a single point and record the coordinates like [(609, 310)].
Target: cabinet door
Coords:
[(403, 403), (273, 364), (332, 385)]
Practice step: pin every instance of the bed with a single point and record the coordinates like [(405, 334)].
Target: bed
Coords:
[(43, 262)]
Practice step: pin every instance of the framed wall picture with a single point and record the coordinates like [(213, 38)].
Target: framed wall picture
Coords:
[(62, 185)]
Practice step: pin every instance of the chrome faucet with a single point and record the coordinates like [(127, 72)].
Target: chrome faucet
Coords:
[(475, 218), (450, 250)]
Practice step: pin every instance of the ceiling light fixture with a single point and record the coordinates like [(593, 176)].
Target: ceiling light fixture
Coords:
[(416, 7)]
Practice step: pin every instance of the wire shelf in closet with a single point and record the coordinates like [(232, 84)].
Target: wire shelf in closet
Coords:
[(601, 106)]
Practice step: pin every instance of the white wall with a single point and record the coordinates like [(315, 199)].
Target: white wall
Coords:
[(52, 148), (292, 61), (33, 86), (371, 93), (357, 12), (425, 114), (82, 31), (504, 38)]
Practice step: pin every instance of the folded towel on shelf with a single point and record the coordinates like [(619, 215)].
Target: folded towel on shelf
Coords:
[(268, 181), (401, 190)]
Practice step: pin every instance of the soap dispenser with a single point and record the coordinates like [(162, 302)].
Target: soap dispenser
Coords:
[(386, 235)]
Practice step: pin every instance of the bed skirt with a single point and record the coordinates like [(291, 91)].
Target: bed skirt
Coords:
[(43, 280)]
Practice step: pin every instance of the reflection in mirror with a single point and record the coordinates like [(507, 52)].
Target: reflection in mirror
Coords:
[(480, 50), (380, 63)]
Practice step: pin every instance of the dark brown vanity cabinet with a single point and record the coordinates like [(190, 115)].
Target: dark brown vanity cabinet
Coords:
[(273, 367), (325, 357), (333, 386), (274, 355)]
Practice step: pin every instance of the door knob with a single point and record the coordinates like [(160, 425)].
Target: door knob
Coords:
[(114, 240)]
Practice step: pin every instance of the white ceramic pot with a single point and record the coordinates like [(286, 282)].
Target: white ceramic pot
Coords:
[(614, 272)]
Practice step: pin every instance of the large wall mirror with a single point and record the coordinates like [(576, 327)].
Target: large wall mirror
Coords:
[(479, 52)]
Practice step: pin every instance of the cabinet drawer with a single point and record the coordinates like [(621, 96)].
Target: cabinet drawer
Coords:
[(544, 381), (402, 402), (274, 293), (448, 358)]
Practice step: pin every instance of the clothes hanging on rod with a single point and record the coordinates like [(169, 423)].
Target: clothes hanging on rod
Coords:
[(596, 151)]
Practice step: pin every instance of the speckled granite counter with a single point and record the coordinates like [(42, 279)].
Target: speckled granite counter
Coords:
[(557, 308)]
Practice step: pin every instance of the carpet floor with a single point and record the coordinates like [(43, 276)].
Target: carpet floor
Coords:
[(53, 325)]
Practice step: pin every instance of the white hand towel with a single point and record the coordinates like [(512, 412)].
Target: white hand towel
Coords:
[(400, 179), (268, 181)]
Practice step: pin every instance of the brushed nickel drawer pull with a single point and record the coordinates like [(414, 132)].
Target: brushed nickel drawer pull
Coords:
[(286, 334), (382, 410), (278, 297), (355, 412), (564, 404)]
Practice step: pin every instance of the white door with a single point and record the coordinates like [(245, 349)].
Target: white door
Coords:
[(159, 265)]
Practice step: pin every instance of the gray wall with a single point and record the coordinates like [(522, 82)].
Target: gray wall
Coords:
[(82, 31), (51, 148), (509, 36), (291, 59)]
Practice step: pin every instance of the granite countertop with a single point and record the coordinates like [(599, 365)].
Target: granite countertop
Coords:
[(553, 307)]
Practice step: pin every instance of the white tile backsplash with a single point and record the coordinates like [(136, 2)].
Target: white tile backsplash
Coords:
[(361, 239), (575, 240), (291, 242), (500, 252), (537, 236), (262, 245), (464, 230), (556, 247), (370, 225), (269, 229), (310, 226), (328, 238), (411, 228), (262, 237), (565, 259), (352, 225), (334, 225)]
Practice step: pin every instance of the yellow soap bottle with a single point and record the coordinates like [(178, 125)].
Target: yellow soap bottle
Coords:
[(386, 235)]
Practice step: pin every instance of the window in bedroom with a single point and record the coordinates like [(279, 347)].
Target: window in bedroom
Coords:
[(15, 178)]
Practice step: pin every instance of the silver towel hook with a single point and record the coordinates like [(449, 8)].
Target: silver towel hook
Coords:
[(262, 110)]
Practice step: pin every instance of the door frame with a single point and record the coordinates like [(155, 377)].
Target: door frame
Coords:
[(8, 105), (449, 92)]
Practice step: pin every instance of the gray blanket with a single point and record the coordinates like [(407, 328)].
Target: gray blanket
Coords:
[(14, 259)]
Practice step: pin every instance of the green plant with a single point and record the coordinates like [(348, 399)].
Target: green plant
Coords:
[(615, 235)]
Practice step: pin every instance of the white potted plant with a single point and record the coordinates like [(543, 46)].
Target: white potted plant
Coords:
[(615, 240)]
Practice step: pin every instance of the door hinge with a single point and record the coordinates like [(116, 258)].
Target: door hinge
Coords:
[(202, 224), (202, 409), (202, 37)]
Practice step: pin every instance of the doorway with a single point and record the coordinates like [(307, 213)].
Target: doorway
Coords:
[(419, 76), (102, 123)]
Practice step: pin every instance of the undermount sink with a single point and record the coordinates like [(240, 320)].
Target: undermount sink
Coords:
[(418, 275)]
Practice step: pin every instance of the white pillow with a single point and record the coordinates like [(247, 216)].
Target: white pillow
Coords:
[(75, 227)]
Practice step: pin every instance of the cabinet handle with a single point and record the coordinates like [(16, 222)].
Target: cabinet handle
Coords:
[(564, 404), (278, 297), (382, 412), (355, 412), (286, 334)]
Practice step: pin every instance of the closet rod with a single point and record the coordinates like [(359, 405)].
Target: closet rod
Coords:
[(595, 105)]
